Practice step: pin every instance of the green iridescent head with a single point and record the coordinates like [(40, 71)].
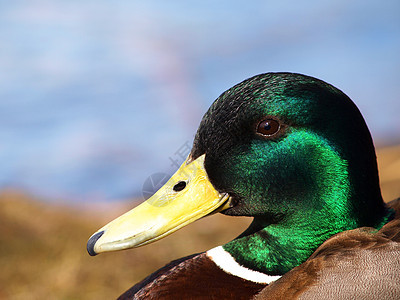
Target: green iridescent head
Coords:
[(287, 149), (295, 153)]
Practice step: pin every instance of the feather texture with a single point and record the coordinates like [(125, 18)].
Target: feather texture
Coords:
[(362, 263)]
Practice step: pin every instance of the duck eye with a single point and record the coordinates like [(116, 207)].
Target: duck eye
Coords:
[(268, 127)]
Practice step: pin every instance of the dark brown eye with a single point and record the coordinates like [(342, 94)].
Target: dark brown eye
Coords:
[(268, 127)]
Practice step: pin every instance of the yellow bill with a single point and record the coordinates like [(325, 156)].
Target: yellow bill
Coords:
[(185, 198)]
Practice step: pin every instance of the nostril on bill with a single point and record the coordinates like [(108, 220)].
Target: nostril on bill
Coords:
[(179, 186)]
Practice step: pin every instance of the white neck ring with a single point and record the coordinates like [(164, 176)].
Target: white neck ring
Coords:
[(227, 263)]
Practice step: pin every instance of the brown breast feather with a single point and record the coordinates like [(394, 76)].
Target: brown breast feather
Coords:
[(192, 277)]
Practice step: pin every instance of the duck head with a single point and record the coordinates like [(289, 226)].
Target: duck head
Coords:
[(289, 150)]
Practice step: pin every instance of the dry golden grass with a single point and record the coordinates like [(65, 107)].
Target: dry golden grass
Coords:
[(43, 246), (389, 172)]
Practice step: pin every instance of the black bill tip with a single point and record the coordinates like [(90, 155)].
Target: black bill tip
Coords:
[(92, 241)]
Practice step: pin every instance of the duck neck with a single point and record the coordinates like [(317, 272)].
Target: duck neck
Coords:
[(275, 247)]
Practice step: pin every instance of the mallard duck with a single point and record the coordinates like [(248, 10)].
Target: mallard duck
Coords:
[(294, 153)]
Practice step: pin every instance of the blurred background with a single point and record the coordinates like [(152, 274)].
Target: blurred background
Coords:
[(98, 96)]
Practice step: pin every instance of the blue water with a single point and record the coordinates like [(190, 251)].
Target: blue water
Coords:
[(96, 96)]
